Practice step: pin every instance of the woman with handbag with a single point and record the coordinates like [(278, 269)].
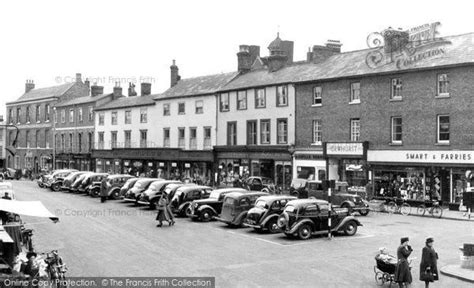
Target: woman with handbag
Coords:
[(402, 272), (428, 264)]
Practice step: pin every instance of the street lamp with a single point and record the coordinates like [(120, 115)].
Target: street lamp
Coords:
[(54, 138)]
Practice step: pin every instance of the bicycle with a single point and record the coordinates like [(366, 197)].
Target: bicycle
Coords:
[(435, 210), (404, 209)]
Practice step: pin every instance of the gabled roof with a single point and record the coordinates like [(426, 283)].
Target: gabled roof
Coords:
[(198, 86), (128, 102), (43, 93), (83, 100), (457, 50)]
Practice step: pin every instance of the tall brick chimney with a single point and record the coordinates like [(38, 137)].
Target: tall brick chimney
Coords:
[(174, 73), (145, 89), (96, 90), (117, 91), (246, 56), (131, 90), (29, 85), (78, 78), (321, 53)]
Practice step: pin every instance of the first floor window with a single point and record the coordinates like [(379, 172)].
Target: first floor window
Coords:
[(91, 113), (166, 137), (193, 138), (181, 108), (231, 133), (79, 142), (89, 141), (128, 117), (113, 139), (355, 92), (71, 115), (181, 135), (265, 131), (282, 95), (143, 115), (317, 132), (396, 88), (252, 132), (443, 84), (282, 132), (199, 107), (396, 129), (143, 138), (166, 110), (63, 142), (260, 100), (79, 114), (128, 138), (224, 102), (355, 129), (242, 100), (101, 140), (443, 128), (207, 137), (114, 118), (101, 118), (71, 141)]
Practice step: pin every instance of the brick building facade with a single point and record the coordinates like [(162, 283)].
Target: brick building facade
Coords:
[(32, 113), (415, 120)]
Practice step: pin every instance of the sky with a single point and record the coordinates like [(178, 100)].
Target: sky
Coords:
[(136, 41)]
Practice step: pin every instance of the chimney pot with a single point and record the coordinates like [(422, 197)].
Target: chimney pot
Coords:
[(174, 73), (117, 92), (78, 77), (29, 85), (131, 90), (145, 88), (96, 90)]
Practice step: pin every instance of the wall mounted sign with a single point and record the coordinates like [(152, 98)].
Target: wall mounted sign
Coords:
[(161, 164), (107, 162), (422, 156), (174, 164), (344, 149), (126, 163), (150, 164), (187, 165)]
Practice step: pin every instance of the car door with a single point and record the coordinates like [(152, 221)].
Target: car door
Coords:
[(257, 184)]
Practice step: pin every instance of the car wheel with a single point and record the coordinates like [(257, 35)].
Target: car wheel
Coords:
[(56, 187), (205, 215), (350, 228), (182, 212), (304, 232), (116, 194), (95, 193), (272, 226)]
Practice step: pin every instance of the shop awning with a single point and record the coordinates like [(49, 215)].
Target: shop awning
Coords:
[(28, 208)]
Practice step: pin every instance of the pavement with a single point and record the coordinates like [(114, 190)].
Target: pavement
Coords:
[(456, 271), (115, 239)]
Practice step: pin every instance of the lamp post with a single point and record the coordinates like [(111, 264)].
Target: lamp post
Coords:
[(54, 138)]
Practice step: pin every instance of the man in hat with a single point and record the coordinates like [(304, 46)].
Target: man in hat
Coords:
[(31, 267), (403, 273), (429, 263)]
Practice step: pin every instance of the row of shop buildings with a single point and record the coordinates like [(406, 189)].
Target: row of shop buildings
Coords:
[(396, 126)]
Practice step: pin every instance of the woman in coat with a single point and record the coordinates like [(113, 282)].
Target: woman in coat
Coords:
[(403, 273), (164, 212), (428, 264)]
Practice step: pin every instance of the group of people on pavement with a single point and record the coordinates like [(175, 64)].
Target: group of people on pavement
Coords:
[(428, 264)]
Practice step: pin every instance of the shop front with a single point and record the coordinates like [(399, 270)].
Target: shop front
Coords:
[(422, 174), (237, 162), (347, 162), (309, 164), (165, 163)]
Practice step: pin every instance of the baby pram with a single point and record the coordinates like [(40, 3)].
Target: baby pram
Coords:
[(384, 272)]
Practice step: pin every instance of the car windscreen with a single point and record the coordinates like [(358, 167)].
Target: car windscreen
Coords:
[(141, 184), (155, 185), (229, 200), (290, 209), (267, 181), (261, 204)]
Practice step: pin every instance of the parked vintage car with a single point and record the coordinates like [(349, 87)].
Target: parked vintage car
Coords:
[(112, 184), (340, 197), (264, 216), (140, 186), (128, 185), (43, 178), (306, 217), (205, 209), (69, 180), (185, 195), (10, 174), (264, 184), (236, 205), (151, 195), (56, 180), (78, 182), (89, 180)]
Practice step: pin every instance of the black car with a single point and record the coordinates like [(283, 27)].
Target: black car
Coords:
[(306, 217), (128, 185), (264, 215), (69, 180), (205, 209), (185, 195), (56, 180), (151, 196), (264, 184), (91, 185), (140, 186), (111, 185), (78, 182)]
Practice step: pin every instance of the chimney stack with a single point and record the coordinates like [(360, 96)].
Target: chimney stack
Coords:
[(88, 84), (321, 53), (243, 59), (131, 90), (145, 89), (117, 91), (309, 55), (174, 73), (78, 78), (96, 90), (29, 85), (288, 50)]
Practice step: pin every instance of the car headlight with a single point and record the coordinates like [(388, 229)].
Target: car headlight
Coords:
[(195, 205)]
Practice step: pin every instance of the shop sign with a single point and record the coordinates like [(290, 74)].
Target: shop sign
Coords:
[(187, 165), (107, 162), (161, 164), (345, 149), (174, 164), (117, 163), (99, 162), (126, 163), (422, 156), (245, 162), (150, 164), (309, 156)]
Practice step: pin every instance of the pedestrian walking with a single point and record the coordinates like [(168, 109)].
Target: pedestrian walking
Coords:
[(429, 263), (164, 211), (402, 272)]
